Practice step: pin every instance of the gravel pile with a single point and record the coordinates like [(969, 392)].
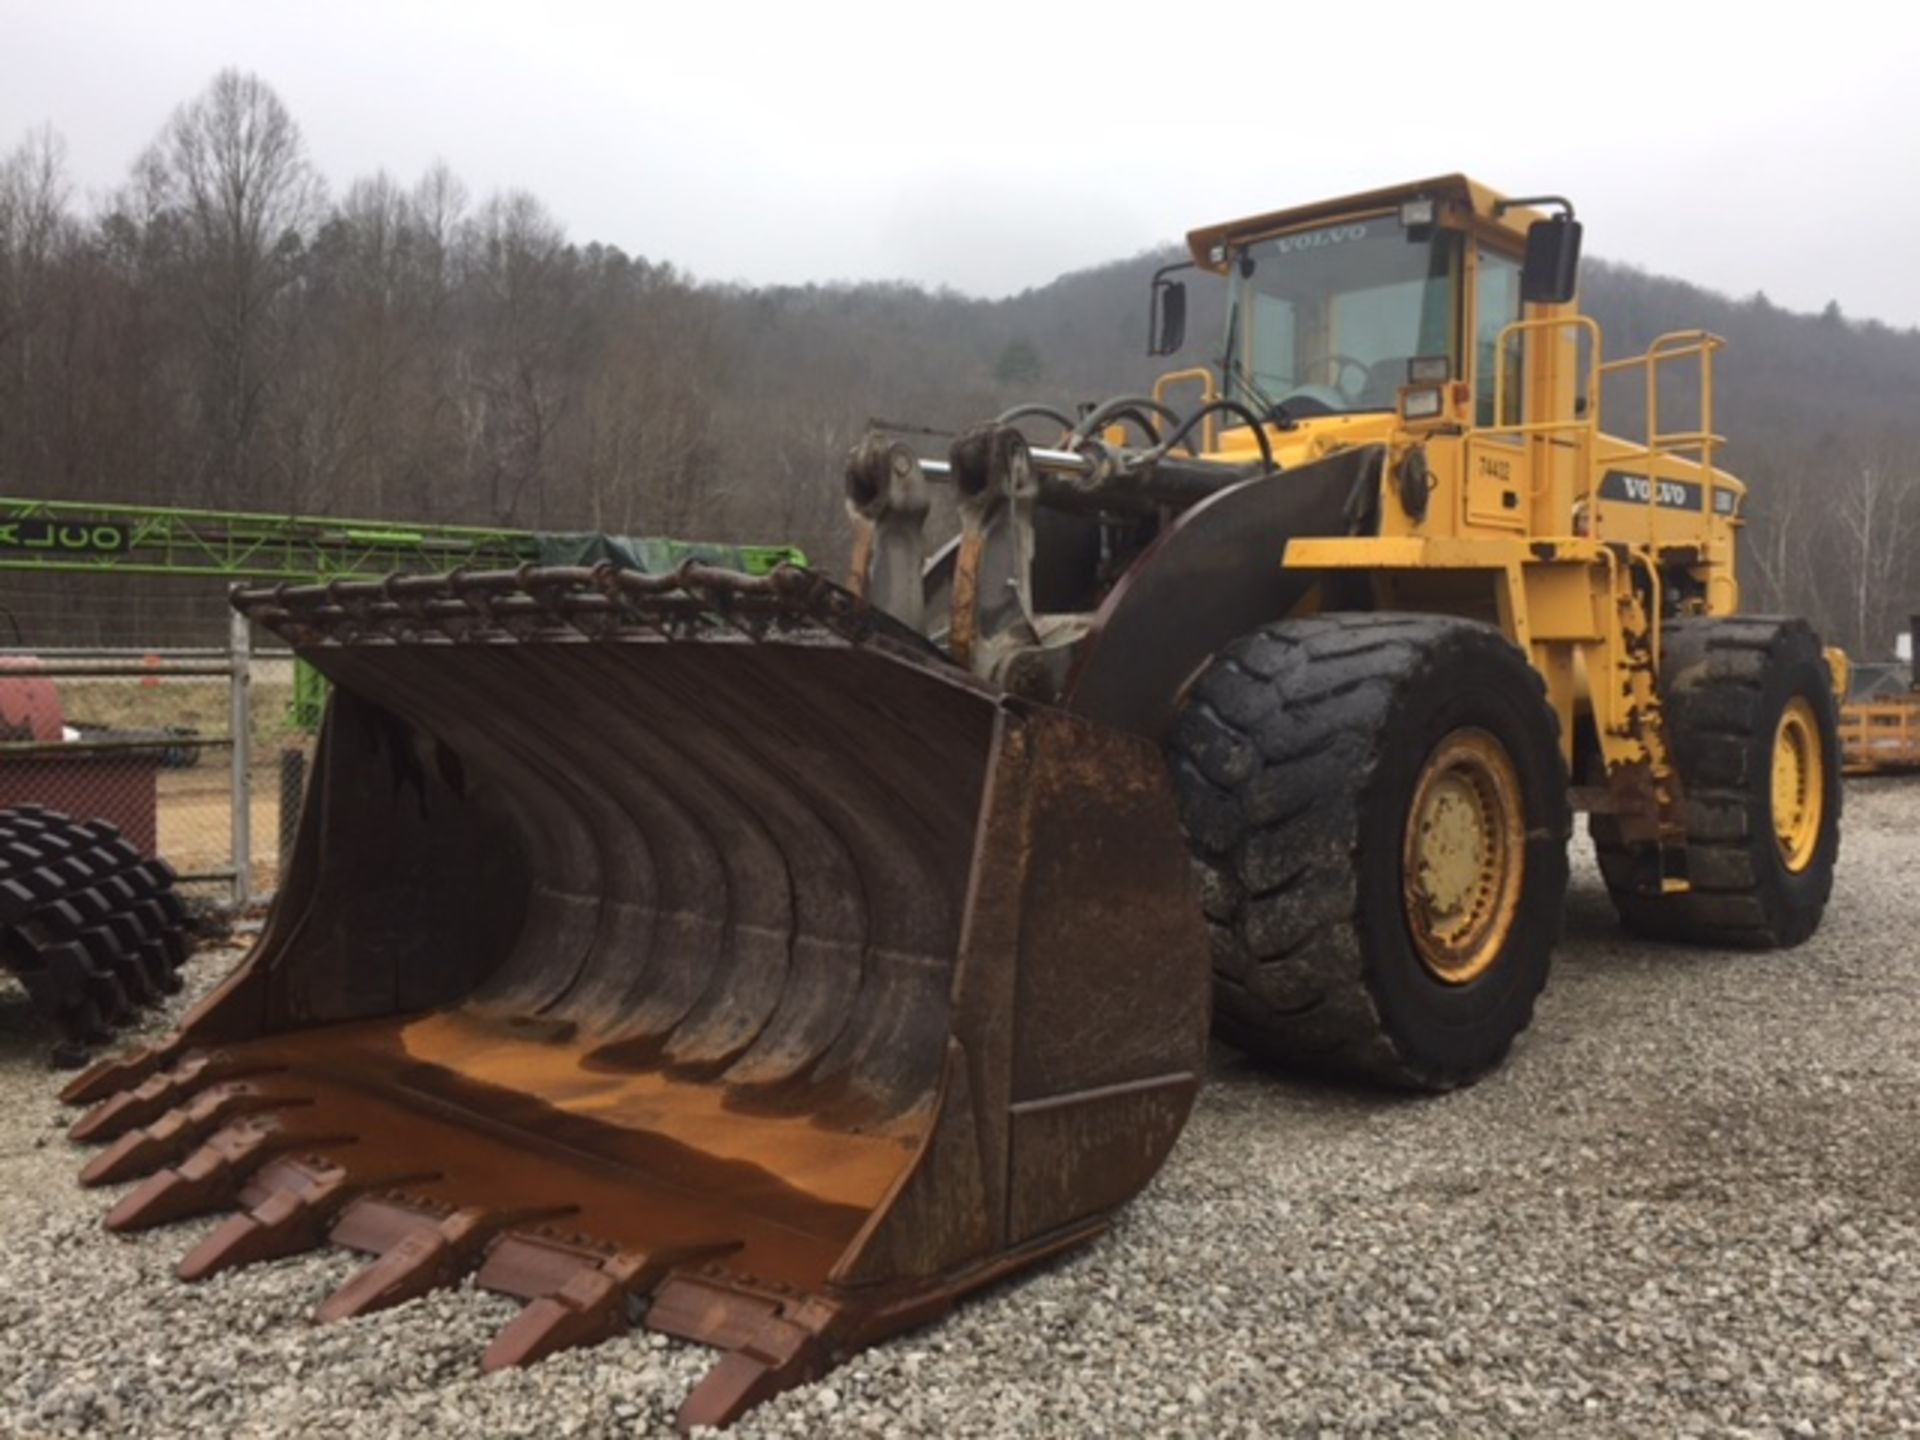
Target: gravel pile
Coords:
[(1690, 1205)]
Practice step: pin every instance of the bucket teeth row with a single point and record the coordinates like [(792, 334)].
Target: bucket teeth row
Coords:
[(295, 1197), (108, 1077), (588, 1301), (154, 1096), (233, 1143), (175, 1134), (211, 1177), (298, 1215), (431, 1256)]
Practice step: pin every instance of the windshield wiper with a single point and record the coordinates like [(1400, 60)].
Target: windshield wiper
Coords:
[(1263, 404)]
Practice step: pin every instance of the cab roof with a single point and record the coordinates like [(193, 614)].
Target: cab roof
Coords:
[(1471, 204)]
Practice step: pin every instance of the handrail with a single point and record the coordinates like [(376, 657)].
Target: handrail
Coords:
[(1703, 440), (1672, 345), (1584, 427), (1209, 427)]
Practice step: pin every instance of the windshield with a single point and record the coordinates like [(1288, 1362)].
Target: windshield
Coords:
[(1324, 321)]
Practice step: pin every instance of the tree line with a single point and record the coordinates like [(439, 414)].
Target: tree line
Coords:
[(222, 331)]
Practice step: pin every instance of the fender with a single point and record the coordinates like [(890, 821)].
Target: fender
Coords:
[(1212, 576)]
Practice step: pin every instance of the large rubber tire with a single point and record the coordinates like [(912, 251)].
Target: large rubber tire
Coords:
[(89, 926), (1725, 684), (1296, 757)]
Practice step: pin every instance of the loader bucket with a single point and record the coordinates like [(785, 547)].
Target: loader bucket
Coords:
[(698, 951)]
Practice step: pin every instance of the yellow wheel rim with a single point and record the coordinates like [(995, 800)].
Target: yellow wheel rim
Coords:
[(1463, 859), (1799, 784)]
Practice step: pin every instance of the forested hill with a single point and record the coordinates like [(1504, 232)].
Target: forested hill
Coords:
[(221, 331)]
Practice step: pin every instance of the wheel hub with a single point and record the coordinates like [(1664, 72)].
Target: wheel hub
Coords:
[(1799, 789), (1463, 857)]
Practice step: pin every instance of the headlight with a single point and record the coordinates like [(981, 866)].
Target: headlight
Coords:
[(1425, 402)]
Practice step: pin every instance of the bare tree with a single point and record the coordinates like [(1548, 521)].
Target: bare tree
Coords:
[(1878, 521), (231, 170), (34, 229)]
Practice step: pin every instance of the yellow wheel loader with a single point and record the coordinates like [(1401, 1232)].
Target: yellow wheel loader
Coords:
[(768, 961)]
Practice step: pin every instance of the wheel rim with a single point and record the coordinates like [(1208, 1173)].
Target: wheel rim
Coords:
[(1799, 784), (1463, 859)]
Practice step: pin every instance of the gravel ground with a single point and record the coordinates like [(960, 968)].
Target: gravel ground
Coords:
[(1687, 1206)]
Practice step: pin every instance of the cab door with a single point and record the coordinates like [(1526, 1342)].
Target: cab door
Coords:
[(1499, 478)]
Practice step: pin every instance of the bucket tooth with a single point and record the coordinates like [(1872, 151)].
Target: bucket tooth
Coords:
[(212, 1176), (575, 1299), (772, 1344), (176, 1133), (430, 1255), (301, 1204), (106, 1078), (777, 1352), (157, 1094)]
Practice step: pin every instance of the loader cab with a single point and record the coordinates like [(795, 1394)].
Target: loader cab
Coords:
[(1335, 309), (1327, 320)]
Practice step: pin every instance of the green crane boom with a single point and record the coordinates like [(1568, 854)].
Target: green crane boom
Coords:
[(86, 537), (90, 537)]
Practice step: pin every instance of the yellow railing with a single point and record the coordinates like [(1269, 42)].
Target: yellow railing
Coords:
[(1203, 374), (1695, 445)]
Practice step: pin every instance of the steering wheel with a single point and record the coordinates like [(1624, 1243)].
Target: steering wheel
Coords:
[(1338, 363)]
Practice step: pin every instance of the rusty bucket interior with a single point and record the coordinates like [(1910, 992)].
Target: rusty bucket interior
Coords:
[(697, 951)]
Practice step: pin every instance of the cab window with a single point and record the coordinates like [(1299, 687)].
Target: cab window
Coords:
[(1496, 304)]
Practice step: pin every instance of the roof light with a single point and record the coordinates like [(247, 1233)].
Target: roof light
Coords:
[(1416, 214)]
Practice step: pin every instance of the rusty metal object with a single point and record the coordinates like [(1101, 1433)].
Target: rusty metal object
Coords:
[(696, 951), (963, 625), (992, 598), (860, 559)]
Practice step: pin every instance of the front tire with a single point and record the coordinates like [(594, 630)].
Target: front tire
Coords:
[(1377, 808)]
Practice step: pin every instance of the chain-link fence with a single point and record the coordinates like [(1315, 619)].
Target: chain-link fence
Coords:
[(197, 753)]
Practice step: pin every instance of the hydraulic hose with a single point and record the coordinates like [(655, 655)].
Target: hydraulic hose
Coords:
[(1231, 407)]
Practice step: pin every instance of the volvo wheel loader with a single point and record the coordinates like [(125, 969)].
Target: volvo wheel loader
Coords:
[(769, 960)]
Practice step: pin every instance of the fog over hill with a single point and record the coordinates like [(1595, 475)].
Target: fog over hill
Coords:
[(222, 332)]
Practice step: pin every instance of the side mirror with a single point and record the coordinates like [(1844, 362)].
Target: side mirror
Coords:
[(1551, 271), (1168, 328)]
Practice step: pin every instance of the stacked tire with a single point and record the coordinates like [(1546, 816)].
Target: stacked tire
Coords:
[(90, 927)]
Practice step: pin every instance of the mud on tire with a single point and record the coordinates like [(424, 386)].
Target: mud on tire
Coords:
[(1725, 684), (89, 926), (1296, 757)]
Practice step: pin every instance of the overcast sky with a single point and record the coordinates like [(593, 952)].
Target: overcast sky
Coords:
[(992, 146)]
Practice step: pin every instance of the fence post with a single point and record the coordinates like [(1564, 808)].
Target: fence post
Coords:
[(240, 655)]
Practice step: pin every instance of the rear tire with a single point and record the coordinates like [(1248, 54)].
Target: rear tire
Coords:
[(1749, 710), (1300, 758)]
